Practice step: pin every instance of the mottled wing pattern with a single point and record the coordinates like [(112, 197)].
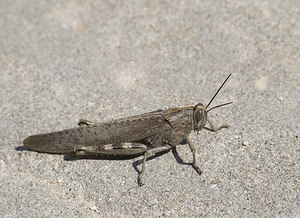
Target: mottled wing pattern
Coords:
[(113, 132)]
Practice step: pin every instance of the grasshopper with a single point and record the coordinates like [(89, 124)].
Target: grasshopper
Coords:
[(146, 134)]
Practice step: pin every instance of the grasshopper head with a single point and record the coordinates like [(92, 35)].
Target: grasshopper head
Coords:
[(199, 117), (200, 111)]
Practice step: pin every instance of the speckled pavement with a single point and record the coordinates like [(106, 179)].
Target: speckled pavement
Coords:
[(103, 60)]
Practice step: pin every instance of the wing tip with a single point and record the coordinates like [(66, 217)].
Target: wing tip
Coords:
[(26, 142)]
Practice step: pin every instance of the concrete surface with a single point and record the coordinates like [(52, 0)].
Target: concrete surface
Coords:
[(102, 60)]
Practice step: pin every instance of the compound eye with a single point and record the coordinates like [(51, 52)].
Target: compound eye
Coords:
[(198, 115), (199, 119)]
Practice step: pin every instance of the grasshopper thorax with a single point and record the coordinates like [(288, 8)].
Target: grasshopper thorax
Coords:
[(199, 117)]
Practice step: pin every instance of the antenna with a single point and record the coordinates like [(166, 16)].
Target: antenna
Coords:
[(218, 92), (219, 106)]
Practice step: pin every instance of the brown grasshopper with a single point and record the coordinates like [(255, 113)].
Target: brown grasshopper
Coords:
[(146, 134)]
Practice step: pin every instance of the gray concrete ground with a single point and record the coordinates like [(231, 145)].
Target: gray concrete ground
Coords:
[(102, 60)]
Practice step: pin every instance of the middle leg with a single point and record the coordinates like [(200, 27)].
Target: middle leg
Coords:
[(148, 153)]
